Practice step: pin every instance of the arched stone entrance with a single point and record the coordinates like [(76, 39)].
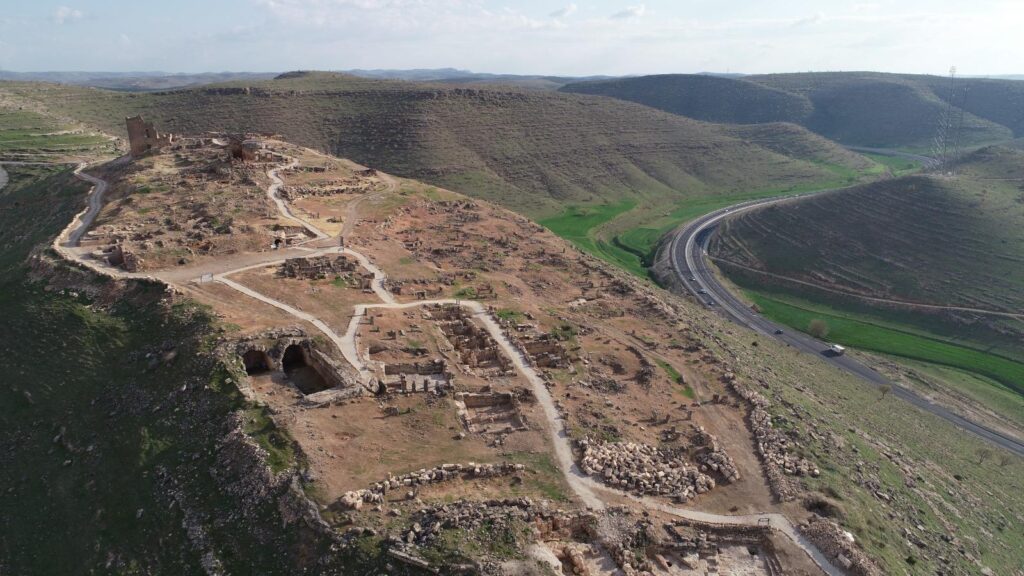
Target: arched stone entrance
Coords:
[(256, 362), (297, 368)]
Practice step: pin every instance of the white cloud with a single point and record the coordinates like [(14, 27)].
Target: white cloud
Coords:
[(630, 12), (66, 14), (809, 20), (564, 12)]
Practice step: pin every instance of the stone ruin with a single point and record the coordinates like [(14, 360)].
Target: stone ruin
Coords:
[(317, 267), (703, 547), (143, 137), (249, 148), (405, 378), (543, 350), (118, 255), (477, 351), (290, 352), (643, 469), (489, 412), (375, 494)]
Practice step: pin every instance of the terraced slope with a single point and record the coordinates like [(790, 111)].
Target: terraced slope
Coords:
[(932, 256), (853, 108), (535, 152), (710, 98)]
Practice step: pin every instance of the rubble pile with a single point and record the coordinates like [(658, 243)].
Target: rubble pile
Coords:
[(497, 515), (354, 500), (772, 446), (345, 186), (715, 458), (316, 267), (839, 546), (643, 469)]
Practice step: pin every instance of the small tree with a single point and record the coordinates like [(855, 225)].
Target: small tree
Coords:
[(884, 389), (983, 454), (818, 328)]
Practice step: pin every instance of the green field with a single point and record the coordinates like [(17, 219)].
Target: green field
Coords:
[(578, 224), (634, 248), (898, 166), (25, 135), (883, 336)]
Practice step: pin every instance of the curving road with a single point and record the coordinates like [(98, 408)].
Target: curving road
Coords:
[(688, 253)]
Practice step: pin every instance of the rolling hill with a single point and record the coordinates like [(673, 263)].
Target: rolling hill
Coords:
[(540, 153), (702, 97), (935, 257), (853, 108)]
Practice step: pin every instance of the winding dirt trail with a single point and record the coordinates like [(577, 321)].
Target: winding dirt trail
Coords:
[(586, 489)]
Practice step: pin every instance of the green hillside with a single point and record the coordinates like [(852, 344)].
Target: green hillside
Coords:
[(913, 263), (853, 108)]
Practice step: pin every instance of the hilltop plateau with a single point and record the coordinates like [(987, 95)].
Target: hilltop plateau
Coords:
[(443, 383)]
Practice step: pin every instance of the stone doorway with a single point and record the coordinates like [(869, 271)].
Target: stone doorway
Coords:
[(296, 366)]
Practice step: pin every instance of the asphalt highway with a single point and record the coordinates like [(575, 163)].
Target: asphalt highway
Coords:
[(689, 260)]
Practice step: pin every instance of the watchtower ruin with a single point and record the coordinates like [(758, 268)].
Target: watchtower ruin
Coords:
[(143, 137)]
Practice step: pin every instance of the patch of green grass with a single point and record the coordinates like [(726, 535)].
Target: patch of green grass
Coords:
[(564, 332), (467, 292), (510, 314), (898, 166), (888, 339), (578, 224), (677, 378), (260, 426)]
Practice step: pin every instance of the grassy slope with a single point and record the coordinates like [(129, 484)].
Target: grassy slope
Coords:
[(90, 430), (955, 242), (867, 446), (867, 109), (879, 335), (709, 98), (27, 134)]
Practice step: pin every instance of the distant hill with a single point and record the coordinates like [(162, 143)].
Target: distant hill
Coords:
[(533, 151), (853, 108), (456, 76), (704, 97), (133, 81)]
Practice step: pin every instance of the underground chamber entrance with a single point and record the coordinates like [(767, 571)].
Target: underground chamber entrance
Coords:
[(256, 362), (297, 368)]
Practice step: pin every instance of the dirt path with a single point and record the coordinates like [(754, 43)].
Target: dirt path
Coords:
[(585, 488)]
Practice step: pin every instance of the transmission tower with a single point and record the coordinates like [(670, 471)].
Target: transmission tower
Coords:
[(946, 144)]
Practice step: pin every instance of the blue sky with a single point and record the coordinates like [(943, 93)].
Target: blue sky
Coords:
[(571, 38)]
